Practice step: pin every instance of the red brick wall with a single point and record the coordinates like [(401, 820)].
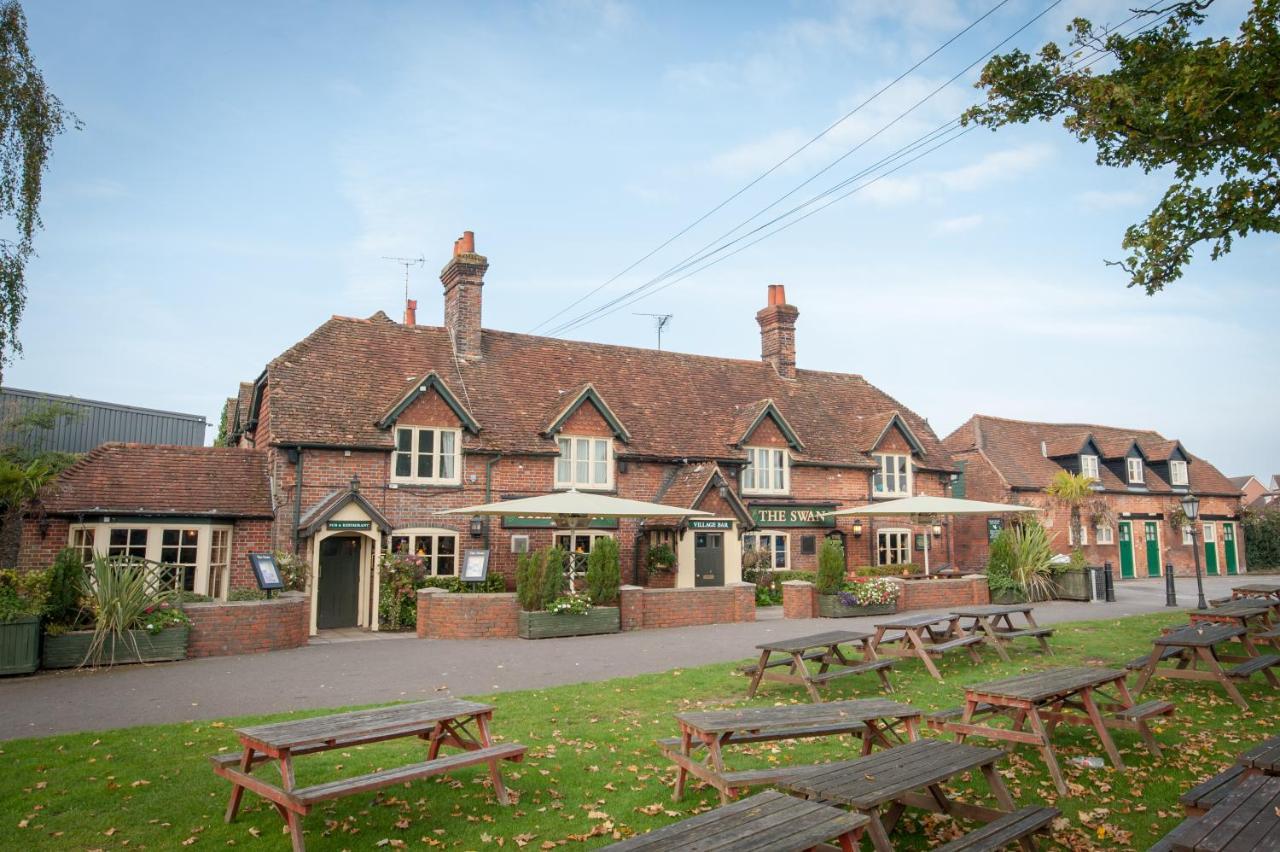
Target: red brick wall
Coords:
[(767, 434), (248, 627), (248, 536), (800, 599), (430, 409), (41, 541), (686, 607), (442, 615), (982, 482), (587, 421), (631, 607)]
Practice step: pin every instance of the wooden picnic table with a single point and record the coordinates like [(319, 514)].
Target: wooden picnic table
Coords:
[(1042, 699), (911, 775), (1264, 758), (1241, 611), (766, 822), (1246, 819), (994, 622), (823, 648), (874, 719), (443, 721), (1257, 590), (925, 635), (1194, 649)]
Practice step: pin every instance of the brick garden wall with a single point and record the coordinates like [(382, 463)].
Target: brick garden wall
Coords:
[(688, 607), (443, 615), (248, 627), (800, 598)]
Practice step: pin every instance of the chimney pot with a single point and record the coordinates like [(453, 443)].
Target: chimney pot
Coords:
[(468, 242), (410, 311)]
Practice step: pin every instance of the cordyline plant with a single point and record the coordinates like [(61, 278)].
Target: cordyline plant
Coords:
[(121, 594)]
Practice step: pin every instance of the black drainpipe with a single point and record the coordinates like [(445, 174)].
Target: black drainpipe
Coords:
[(297, 499), (488, 495)]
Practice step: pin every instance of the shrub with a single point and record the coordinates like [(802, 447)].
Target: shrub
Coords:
[(554, 581), (569, 605), (23, 594), (250, 594), (400, 577), (660, 558), (66, 578), (294, 570), (1262, 538), (875, 591), (529, 568), (121, 595), (830, 567), (1021, 560), (603, 574)]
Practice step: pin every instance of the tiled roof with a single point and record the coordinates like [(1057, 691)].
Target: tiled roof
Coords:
[(331, 387), (162, 480), (1013, 447), (1240, 481), (1068, 446), (244, 395)]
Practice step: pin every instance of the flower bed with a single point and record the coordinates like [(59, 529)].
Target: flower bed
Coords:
[(860, 596), (72, 649)]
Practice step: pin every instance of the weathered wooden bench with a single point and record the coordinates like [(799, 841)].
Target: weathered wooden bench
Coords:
[(1165, 844), (752, 668), (1209, 792), (939, 718), (1018, 827), (1260, 663), (766, 822), (952, 644), (1166, 653), (1272, 636), (857, 668)]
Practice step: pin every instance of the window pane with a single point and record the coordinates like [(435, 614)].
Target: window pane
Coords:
[(448, 455), (400, 544), (600, 464), (582, 460), (404, 439), (404, 464), (426, 440), (780, 552), (424, 466), (563, 470), (749, 472)]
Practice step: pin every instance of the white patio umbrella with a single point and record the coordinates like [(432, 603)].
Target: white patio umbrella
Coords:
[(927, 506), (573, 509)]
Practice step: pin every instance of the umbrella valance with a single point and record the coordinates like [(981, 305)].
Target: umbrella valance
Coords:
[(924, 504), (576, 504)]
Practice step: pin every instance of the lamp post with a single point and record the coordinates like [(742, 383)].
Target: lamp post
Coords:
[(1191, 508)]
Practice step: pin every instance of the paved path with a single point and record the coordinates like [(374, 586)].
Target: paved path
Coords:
[(338, 674)]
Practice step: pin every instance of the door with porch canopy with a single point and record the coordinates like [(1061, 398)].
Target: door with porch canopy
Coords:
[(338, 592)]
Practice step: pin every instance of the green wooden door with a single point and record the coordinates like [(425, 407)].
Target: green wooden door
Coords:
[(1152, 534), (708, 559), (1126, 550), (339, 582), (1210, 549), (1229, 547)]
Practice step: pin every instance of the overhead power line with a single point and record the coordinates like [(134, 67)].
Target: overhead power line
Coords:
[(788, 158)]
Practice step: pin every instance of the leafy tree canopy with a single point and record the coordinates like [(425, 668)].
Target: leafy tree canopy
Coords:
[(1208, 109)]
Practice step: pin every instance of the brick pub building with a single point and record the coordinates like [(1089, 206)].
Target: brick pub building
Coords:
[(1141, 477), (357, 437)]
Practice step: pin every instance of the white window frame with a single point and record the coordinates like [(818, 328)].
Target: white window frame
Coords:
[(1089, 466), (1104, 534), (1209, 531), (1133, 465), (572, 463), (899, 470), (1188, 537), (81, 539), (904, 548), (439, 458), (753, 541), (774, 472), (413, 534), (1177, 472), (576, 539), (204, 580)]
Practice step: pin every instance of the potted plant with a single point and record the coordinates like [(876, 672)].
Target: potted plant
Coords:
[(549, 608), (132, 619), (861, 596), (1020, 567), (661, 558), (22, 600), (1071, 579)]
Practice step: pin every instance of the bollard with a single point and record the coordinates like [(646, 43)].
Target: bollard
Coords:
[(1108, 579), (1170, 590)]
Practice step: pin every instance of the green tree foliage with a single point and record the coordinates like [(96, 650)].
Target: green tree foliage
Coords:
[(1072, 491), (66, 581), (529, 569), (604, 575), (221, 440), (830, 567), (554, 581), (30, 118), (1262, 538), (1204, 109)]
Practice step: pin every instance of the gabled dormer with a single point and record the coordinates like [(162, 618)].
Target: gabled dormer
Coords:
[(584, 429), (1126, 459), (587, 394), (893, 450), (1171, 462), (427, 423), (1076, 454), (769, 440)]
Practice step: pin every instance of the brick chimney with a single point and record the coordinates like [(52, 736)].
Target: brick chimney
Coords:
[(462, 277), (410, 311), (778, 332)]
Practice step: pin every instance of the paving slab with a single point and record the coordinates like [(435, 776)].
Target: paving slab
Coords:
[(338, 673)]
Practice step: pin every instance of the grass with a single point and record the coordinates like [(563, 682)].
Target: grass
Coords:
[(592, 772)]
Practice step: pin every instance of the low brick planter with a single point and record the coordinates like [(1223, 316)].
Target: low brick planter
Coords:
[(224, 628), (829, 606), (800, 598)]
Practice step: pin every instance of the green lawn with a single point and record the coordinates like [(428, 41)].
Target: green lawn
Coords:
[(592, 772)]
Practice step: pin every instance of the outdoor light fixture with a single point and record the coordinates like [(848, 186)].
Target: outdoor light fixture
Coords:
[(937, 530), (477, 526), (1191, 508), (857, 529)]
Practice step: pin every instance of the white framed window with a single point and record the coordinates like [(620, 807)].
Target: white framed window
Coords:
[(219, 562), (893, 547), (438, 549), (1134, 466), (1071, 534), (1104, 534), (1187, 538), (579, 542), (768, 471), (194, 558), (127, 541), (584, 463), (82, 543), (1177, 472), (1210, 533), (427, 455), (519, 544), (1089, 466), (180, 548), (893, 475), (776, 544)]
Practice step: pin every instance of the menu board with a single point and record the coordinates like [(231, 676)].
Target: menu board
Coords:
[(266, 571), (475, 566)]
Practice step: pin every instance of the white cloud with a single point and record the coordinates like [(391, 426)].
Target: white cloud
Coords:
[(992, 168), (603, 17), (960, 224), (1105, 200)]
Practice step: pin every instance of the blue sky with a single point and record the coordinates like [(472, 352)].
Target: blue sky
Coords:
[(243, 168)]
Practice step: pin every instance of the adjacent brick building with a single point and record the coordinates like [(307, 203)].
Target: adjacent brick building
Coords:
[(1141, 477)]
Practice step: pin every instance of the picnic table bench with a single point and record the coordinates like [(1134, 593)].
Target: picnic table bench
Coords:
[(994, 622), (444, 721), (766, 822), (874, 719), (1041, 700), (1195, 649), (1245, 612), (881, 786), (924, 636), (1266, 591), (823, 648), (1246, 819), (1261, 759)]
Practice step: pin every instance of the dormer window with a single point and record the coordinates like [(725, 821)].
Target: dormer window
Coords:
[(1178, 473), (1089, 466), (584, 463), (893, 476), (1135, 470), (427, 456), (768, 471)]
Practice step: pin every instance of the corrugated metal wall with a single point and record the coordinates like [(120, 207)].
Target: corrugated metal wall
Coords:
[(94, 423)]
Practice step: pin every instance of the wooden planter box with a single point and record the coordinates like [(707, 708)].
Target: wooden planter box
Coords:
[(829, 606), (1072, 585), (20, 645), (549, 625), (1006, 596), (69, 650)]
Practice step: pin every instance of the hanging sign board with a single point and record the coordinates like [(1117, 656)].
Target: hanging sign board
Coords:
[(793, 516), (710, 525), (475, 566), (265, 571), (349, 525), (994, 525)]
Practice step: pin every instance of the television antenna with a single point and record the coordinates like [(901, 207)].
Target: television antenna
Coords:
[(660, 321), (407, 262)]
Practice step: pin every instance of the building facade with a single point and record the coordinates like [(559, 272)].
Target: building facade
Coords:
[(370, 428), (1135, 523)]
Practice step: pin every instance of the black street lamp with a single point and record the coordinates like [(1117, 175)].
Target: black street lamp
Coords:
[(1191, 508)]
